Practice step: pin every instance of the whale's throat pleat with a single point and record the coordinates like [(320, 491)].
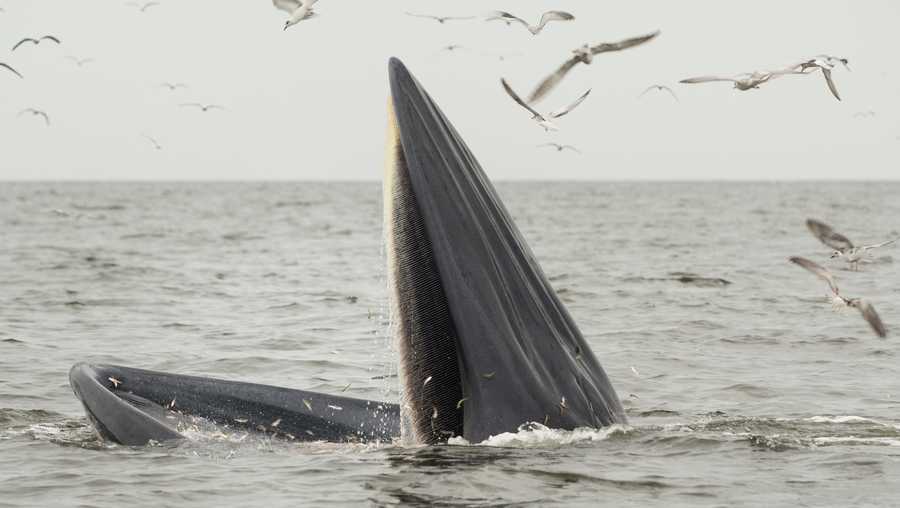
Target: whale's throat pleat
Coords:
[(423, 329)]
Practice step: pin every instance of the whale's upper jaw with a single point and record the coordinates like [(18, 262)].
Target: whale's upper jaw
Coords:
[(484, 343)]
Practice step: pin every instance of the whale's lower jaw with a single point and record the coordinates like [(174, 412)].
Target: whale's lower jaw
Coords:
[(136, 407), (424, 334)]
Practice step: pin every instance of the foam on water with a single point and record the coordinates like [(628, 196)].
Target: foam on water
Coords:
[(536, 435)]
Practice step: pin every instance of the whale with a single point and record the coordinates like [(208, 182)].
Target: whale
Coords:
[(483, 343)]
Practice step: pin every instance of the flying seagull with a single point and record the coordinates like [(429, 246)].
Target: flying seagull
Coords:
[(659, 88), (203, 107), (440, 19), (11, 70), (155, 144), (79, 61), (840, 302), (534, 29), (826, 64), (542, 120), (173, 86), (584, 54), (36, 112), (843, 247), (36, 41), (144, 6), (452, 47), (560, 148), (746, 81), (298, 9)]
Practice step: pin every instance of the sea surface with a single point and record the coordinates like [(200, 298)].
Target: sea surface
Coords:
[(752, 393)]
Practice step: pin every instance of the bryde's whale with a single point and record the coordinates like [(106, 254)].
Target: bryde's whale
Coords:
[(484, 344)]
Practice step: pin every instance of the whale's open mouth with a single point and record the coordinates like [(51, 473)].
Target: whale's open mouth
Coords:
[(484, 343)]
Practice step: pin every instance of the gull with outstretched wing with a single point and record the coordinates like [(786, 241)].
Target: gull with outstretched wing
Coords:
[(439, 19), (544, 120), (36, 41), (534, 29), (843, 247), (584, 54), (837, 300)]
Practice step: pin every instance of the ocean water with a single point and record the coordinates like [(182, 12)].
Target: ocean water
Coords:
[(752, 393)]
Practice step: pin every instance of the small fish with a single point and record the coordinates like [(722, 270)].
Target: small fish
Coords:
[(310, 432), (546, 419), (114, 381), (307, 404), (489, 375), (427, 380), (241, 420), (290, 436), (276, 423), (434, 415), (346, 387), (460, 403), (562, 406), (636, 373), (336, 408), (171, 404)]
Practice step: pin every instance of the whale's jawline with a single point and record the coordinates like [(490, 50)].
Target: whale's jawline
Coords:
[(425, 336)]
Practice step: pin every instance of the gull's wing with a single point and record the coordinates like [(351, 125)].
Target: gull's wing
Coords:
[(458, 17), (565, 111), (11, 70), (519, 101), (882, 244), (707, 79), (191, 105), (420, 15), (671, 92), (46, 118), (213, 106), (869, 314), (827, 74), (554, 16), (50, 38), (828, 236), (651, 87), (23, 41), (148, 5), (660, 87), (288, 6), (818, 270), (552, 80), (570, 147), (623, 44), (505, 16), (767, 75)]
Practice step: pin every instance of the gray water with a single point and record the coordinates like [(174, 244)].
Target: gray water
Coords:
[(750, 394)]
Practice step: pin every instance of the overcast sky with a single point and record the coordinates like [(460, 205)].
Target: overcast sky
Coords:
[(309, 103)]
